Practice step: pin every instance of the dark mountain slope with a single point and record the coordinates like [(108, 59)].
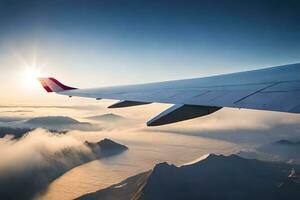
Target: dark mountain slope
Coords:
[(214, 178)]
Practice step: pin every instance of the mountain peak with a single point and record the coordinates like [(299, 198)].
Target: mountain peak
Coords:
[(106, 147), (106, 117), (161, 167)]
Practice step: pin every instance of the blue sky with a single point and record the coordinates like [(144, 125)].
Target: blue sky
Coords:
[(97, 43)]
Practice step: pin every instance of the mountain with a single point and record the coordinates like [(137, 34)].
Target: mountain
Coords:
[(11, 119), (60, 123), (216, 177), (130, 188), (106, 147), (107, 117), (16, 132), (52, 120)]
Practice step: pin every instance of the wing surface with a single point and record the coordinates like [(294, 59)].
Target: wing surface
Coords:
[(273, 89)]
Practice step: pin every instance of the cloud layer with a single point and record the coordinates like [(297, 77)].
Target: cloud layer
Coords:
[(29, 164), (246, 126)]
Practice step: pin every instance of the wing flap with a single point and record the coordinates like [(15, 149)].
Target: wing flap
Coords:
[(180, 112), (123, 104), (275, 101), (282, 97), (285, 87)]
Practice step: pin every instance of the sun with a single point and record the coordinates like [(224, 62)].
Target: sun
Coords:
[(29, 76), (31, 73)]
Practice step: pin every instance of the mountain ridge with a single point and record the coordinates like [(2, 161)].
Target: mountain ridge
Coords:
[(216, 177)]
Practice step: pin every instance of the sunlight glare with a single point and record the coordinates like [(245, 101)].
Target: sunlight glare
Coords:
[(30, 76)]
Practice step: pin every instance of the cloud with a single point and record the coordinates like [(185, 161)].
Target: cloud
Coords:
[(244, 126), (29, 164), (76, 107), (58, 123)]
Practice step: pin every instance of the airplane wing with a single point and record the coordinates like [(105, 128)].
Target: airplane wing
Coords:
[(273, 89)]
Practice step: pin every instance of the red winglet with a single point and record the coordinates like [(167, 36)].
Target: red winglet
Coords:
[(53, 85)]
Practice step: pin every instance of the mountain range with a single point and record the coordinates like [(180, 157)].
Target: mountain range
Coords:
[(215, 177)]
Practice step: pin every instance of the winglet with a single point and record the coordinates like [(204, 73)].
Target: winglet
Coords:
[(53, 85)]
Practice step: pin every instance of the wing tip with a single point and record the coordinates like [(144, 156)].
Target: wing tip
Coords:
[(51, 84)]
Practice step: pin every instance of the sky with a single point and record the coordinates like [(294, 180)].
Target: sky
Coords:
[(110, 42)]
